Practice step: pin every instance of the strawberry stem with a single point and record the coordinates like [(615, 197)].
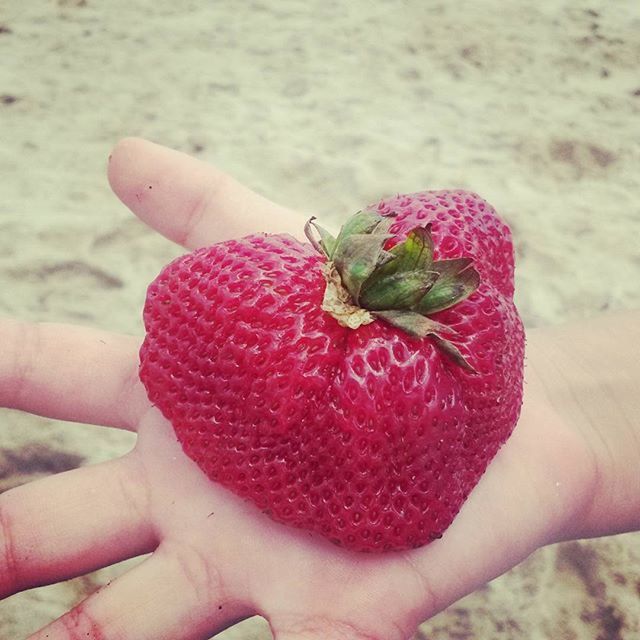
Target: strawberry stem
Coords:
[(401, 286)]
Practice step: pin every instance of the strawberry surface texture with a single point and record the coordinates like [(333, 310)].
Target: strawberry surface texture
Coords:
[(370, 437)]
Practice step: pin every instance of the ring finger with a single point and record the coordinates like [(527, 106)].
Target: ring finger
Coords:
[(73, 523)]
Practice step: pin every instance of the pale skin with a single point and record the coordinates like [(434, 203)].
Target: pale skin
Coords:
[(569, 470)]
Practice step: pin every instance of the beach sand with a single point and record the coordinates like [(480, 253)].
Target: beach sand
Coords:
[(327, 106)]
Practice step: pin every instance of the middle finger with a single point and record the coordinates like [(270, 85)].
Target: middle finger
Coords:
[(71, 373)]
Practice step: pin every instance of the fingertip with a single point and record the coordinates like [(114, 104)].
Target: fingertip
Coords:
[(122, 149), (126, 162), (160, 185)]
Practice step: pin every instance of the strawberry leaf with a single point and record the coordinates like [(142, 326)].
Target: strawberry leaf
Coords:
[(457, 280), (405, 278), (356, 258), (420, 326), (401, 290), (402, 285), (327, 242), (362, 223)]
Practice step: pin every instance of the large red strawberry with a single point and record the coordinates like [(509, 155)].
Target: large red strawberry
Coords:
[(355, 386)]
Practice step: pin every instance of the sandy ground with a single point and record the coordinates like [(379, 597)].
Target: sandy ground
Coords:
[(327, 106)]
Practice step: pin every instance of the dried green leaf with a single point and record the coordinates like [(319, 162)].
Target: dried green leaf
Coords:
[(416, 252), (327, 241), (413, 323), (420, 326), (457, 280), (363, 222), (401, 290), (356, 257)]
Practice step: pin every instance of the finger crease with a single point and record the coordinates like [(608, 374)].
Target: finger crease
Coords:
[(134, 488), (196, 215), (129, 408), (204, 580), (428, 594)]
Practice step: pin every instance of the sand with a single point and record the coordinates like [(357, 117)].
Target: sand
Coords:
[(327, 106)]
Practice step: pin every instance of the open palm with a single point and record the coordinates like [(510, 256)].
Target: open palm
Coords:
[(214, 558)]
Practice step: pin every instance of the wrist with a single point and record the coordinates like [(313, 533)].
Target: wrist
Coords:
[(588, 374)]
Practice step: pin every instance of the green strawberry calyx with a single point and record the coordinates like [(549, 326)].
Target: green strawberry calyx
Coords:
[(402, 285)]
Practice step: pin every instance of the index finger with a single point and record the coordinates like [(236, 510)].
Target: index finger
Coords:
[(189, 201)]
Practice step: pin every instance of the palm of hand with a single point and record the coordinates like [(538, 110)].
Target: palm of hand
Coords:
[(216, 559)]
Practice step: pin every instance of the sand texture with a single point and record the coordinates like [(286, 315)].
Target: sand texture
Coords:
[(327, 106)]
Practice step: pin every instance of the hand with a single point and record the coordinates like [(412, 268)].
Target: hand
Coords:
[(215, 559)]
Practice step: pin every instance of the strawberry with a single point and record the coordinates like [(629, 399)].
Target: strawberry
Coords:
[(356, 386)]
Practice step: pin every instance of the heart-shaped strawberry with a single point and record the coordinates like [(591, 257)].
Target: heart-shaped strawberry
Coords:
[(355, 386)]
